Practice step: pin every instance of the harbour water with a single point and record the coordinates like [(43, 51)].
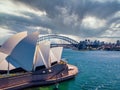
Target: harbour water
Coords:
[(98, 70)]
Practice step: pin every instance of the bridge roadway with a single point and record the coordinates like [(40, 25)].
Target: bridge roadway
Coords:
[(65, 45)]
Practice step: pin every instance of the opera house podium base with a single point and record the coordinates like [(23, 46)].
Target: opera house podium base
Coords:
[(57, 73)]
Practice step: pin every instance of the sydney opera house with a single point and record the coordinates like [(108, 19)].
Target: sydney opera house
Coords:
[(26, 62)]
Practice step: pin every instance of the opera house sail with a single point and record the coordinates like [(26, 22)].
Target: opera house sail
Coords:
[(22, 54)]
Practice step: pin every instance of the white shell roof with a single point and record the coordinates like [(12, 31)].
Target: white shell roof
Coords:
[(4, 63), (55, 54), (45, 48), (9, 45), (23, 54)]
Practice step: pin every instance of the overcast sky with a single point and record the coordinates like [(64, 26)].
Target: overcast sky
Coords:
[(80, 18)]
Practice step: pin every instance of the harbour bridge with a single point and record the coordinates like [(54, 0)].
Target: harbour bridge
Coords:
[(73, 43)]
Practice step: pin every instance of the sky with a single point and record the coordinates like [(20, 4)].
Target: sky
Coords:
[(78, 19)]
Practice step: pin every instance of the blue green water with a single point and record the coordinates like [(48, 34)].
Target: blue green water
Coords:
[(98, 70)]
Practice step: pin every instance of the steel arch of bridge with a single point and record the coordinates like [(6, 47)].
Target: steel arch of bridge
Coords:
[(58, 37)]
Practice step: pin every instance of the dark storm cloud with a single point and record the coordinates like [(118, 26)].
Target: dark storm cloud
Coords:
[(18, 23), (65, 16), (44, 5), (80, 7)]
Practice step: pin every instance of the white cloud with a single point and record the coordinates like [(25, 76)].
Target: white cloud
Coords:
[(93, 22), (117, 14), (43, 30), (9, 7), (4, 34), (112, 32), (103, 1)]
